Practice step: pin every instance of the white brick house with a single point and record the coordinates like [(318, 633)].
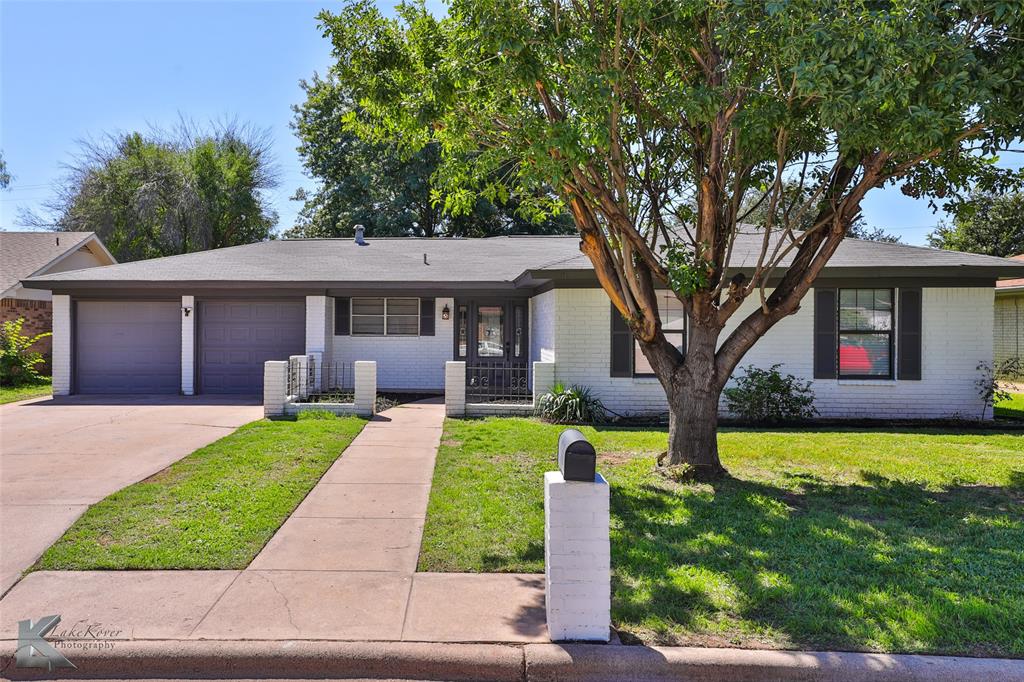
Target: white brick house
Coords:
[(890, 331)]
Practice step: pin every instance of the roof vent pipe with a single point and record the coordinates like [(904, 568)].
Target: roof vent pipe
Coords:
[(359, 235)]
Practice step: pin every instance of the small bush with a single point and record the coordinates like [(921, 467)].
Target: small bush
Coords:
[(570, 405), (315, 414), (18, 363), (990, 390), (766, 396)]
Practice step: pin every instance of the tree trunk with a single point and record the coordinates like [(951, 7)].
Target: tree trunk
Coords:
[(692, 387), (693, 430)]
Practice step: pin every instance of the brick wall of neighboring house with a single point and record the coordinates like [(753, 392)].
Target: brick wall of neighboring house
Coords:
[(38, 319), (1009, 326), (957, 335)]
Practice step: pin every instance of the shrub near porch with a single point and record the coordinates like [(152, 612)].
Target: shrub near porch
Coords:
[(857, 539)]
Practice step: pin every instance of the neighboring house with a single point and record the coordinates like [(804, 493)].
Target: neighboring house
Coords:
[(31, 254), (889, 331), (1009, 321)]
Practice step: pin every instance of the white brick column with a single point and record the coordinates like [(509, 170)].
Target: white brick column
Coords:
[(61, 344), (455, 388), (543, 378), (275, 387), (577, 558), (365, 372), (188, 345)]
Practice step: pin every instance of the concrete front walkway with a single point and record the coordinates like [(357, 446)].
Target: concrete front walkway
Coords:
[(60, 455), (342, 567)]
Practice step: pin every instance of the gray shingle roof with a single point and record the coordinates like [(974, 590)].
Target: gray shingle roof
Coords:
[(498, 260), (23, 253)]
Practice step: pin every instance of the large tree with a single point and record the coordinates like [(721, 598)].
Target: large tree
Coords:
[(381, 185), (165, 193), (654, 119), (987, 223)]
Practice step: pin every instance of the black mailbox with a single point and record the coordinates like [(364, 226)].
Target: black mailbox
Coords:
[(576, 457)]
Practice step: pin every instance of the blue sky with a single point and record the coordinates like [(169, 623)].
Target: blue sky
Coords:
[(72, 70)]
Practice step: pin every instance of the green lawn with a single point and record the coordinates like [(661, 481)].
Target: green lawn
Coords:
[(1012, 408), (36, 389), (216, 508), (859, 539)]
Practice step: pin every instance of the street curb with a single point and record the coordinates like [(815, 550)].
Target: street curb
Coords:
[(205, 659), (598, 663), (286, 659)]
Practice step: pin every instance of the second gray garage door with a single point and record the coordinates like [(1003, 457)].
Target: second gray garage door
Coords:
[(237, 337), (127, 347)]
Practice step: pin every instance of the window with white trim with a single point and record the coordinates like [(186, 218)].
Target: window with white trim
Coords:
[(382, 316)]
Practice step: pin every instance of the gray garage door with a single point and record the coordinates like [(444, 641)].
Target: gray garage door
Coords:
[(127, 347), (237, 337)]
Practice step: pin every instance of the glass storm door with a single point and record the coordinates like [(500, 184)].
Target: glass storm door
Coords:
[(492, 337)]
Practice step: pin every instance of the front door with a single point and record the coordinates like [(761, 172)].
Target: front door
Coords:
[(492, 337)]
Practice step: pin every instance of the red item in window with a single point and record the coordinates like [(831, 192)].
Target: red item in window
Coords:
[(854, 360)]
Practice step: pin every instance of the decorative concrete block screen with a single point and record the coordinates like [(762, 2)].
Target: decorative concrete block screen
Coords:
[(287, 384)]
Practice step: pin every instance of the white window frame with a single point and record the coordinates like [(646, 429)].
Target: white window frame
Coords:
[(352, 315)]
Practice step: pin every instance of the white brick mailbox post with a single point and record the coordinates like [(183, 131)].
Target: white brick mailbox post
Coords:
[(577, 558)]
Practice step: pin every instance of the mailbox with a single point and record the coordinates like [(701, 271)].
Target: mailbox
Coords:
[(576, 457)]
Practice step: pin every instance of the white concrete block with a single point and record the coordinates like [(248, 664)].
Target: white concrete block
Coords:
[(455, 388), (61, 344), (577, 558), (275, 387), (365, 372)]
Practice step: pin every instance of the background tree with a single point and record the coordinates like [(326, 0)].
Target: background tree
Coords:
[(160, 194), (655, 119), (5, 176), (987, 223), (755, 207), (378, 184)]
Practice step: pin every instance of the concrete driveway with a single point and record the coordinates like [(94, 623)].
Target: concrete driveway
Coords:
[(60, 455)]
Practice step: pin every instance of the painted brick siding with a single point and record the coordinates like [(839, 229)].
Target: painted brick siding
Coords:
[(957, 335), (542, 327), (1009, 327), (405, 362)]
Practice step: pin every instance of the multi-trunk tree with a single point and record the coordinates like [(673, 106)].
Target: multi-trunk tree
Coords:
[(655, 120)]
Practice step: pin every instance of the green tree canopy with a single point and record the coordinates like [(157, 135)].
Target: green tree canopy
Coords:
[(991, 224), (381, 185), (160, 194), (655, 119)]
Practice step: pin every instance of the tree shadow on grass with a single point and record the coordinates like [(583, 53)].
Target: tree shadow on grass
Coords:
[(877, 565)]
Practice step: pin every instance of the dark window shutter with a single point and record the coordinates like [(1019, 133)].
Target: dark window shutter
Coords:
[(426, 317), (621, 346), (341, 316), (826, 347), (908, 334)]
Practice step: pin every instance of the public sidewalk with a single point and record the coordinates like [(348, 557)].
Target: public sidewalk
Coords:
[(342, 567)]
